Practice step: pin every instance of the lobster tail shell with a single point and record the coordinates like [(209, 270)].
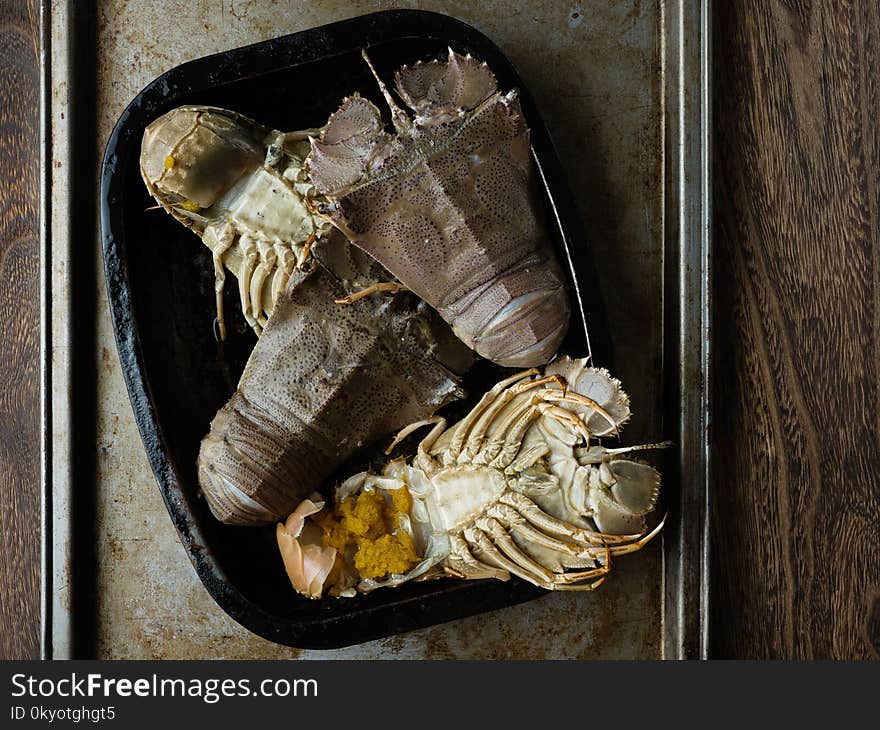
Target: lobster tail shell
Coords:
[(250, 467), (519, 318)]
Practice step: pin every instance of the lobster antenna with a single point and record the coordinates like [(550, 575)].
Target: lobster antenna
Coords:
[(639, 447), (398, 117)]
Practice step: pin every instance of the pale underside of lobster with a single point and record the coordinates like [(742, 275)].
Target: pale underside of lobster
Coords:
[(243, 189), (519, 487)]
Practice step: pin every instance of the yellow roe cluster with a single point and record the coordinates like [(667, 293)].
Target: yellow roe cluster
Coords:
[(369, 522)]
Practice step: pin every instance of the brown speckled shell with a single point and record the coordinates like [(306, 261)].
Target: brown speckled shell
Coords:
[(449, 206), (323, 381)]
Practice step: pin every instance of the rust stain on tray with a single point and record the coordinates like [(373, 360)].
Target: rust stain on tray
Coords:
[(593, 69)]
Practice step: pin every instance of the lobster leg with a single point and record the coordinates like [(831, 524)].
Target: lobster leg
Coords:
[(267, 261), (553, 395), (546, 578), (477, 436), (413, 427), (513, 441), (481, 542), (483, 547), (427, 462), (248, 263), (529, 457), (219, 243), (566, 417), (462, 428), (513, 520), (641, 542), (543, 521), (391, 287), (463, 562), (283, 270), (515, 422), (306, 250)]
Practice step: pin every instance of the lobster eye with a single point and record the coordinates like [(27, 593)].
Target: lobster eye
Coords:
[(197, 156)]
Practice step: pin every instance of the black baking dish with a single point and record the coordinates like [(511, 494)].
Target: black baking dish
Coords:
[(160, 286)]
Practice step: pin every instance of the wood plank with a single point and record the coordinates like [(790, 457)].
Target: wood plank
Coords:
[(796, 513), (19, 332)]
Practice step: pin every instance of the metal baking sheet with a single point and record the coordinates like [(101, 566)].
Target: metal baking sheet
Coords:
[(623, 89)]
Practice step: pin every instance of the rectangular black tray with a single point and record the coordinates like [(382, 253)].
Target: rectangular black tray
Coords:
[(159, 283)]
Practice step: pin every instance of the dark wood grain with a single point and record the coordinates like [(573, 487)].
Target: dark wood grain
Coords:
[(796, 514), (19, 333)]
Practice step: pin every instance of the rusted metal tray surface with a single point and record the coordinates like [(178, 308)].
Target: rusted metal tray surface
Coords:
[(627, 121)]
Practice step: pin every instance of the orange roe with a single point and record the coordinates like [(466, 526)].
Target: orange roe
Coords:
[(368, 521)]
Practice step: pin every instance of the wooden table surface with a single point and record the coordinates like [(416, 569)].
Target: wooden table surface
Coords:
[(796, 444), (19, 332), (796, 335)]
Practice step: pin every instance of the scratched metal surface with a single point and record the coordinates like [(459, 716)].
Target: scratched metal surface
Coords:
[(595, 71)]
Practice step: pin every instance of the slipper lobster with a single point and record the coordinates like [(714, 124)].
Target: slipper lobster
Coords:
[(322, 382), (516, 487), (449, 205), (243, 189)]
